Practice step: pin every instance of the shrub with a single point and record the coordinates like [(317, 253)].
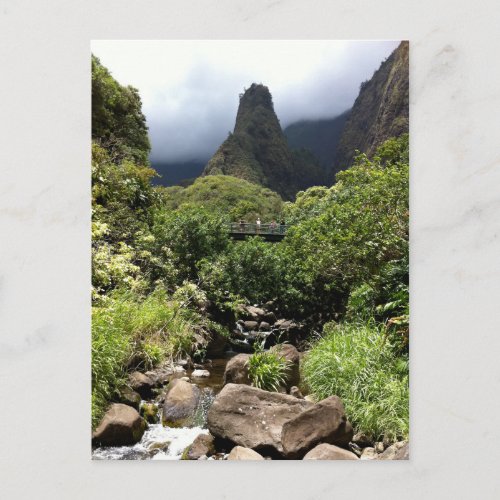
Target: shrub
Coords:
[(129, 332), (249, 269), (267, 370), (357, 363), (190, 234), (344, 236)]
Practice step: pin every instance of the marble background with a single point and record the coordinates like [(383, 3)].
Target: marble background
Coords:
[(45, 247)]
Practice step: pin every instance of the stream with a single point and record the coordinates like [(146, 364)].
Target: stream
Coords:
[(168, 443)]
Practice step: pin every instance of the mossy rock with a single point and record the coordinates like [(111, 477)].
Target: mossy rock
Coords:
[(149, 412)]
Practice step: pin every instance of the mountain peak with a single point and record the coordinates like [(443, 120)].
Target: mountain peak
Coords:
[(257, 150), (256, 95)]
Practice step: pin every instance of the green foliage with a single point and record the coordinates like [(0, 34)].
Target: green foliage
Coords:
[(250, 270), (357, 362), (117, 119), (224, 194), (349, 233), (267, 370), (190, 234), (129, 333), (124, 251), (162, 256)]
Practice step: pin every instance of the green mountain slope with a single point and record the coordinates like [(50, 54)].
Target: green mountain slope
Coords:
[(380, 111)]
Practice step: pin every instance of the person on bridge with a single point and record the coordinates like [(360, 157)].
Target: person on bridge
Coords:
[(273, 226), (257, 226), (242, 225)]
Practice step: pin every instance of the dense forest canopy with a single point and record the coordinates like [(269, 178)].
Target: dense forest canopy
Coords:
[(167, 279)]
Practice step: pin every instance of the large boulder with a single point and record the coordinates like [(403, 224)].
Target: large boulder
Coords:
[(181, 402), (203, 445), (290, 353), (327, 451), (240, 453), (121, 425), (142, 384), (253, 418), (325, 422), (236, 371)]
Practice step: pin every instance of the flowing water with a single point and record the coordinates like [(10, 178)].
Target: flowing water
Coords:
[(167, 443)]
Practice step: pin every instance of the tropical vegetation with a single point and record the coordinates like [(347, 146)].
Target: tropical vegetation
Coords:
[(166, 276)]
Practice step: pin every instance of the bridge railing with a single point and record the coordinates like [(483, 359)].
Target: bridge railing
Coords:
[(249, 228)]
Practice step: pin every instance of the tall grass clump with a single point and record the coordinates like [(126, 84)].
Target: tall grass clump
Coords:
[(357, 362), (267, 370), (130, 332)]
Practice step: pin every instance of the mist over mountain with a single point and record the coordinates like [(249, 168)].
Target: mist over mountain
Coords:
[(320, 137), (257, 149), (172, 173)]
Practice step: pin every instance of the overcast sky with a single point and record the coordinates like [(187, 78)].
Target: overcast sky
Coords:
[(189, 89)]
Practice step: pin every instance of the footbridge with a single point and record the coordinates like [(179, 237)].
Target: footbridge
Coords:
[(272, 232)]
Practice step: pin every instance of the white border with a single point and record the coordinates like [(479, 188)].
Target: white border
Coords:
[(45, 230)]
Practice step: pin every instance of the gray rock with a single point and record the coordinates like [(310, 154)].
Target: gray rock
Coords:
[(264, 326), (392, 452), (121, 425), (325, 422), (368, 453), (236, 371), (240, 453), (251, 417), (290, 353), (130, 397), (403, 453), (200, 374), (142, 384), (203, 445), (326, 451), (250, 325), (255, 313), (159, 376), (181, 402)]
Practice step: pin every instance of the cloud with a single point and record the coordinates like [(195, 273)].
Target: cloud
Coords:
[(190, 89)]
